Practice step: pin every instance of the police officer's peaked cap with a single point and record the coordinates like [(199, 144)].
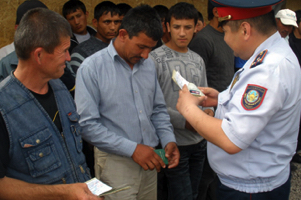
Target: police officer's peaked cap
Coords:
[(242, 9)]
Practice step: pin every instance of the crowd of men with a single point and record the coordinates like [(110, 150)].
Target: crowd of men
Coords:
[(78, 102)]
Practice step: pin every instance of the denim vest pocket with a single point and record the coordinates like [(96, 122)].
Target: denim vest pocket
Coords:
[(76, 130), (40, 153)]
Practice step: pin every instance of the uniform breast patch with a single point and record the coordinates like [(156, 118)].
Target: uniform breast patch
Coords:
[(259, 59), (253, 97)]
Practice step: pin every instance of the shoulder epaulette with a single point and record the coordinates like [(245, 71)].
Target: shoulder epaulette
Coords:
[(259, 59)]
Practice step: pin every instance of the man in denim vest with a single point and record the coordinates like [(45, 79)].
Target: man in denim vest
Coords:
[(41, 147)]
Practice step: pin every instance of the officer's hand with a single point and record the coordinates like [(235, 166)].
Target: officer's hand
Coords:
[(211, 94), (147, 158), (186, 100)]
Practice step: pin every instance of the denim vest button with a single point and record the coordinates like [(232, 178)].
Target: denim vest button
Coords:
[(38, 141), (41, 155)]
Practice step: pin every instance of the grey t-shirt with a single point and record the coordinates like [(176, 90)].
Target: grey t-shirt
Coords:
[(191, 66)]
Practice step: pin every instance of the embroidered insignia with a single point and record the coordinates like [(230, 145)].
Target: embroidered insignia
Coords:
[(236, 78), (253, 97), (258, 60)]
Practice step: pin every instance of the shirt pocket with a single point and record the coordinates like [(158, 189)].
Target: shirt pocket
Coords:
[(223, 100), (40, 153), (76, 130)]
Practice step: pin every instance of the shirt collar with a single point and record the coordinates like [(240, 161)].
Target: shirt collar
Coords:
[(273, 39)]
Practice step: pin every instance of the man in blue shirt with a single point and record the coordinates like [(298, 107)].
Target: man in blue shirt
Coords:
[(122, 108)]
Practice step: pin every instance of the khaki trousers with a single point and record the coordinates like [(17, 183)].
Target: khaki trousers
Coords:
[(119, 171)]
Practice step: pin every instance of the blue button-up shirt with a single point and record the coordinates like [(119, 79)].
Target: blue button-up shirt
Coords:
[(121, 107)]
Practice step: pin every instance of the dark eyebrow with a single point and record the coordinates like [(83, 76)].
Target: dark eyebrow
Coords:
[(144, 46)]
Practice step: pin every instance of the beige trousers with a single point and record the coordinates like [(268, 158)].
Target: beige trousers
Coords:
[(119, 171)]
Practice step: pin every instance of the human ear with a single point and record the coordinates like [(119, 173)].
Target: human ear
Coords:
[(123, 34), (168, 27), (215, 12), (38, 55), (95, 22), (246, 30)]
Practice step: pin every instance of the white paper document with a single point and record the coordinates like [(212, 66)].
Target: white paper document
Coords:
[(99, 188), (180, 81)]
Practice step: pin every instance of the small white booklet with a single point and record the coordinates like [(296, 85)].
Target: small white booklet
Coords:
[(180, 81), (99, 188)]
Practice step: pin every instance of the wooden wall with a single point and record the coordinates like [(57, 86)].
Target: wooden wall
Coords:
[(8, 11)]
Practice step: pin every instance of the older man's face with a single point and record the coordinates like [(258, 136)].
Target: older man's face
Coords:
[(284, 30), (53, 64)]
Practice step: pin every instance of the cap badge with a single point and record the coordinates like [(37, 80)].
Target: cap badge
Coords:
[(228, 17)]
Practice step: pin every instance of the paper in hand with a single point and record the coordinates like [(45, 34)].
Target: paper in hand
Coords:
[(180, 81), (99, 188)]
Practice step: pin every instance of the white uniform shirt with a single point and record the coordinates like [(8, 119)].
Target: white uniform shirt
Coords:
[(260, 115)]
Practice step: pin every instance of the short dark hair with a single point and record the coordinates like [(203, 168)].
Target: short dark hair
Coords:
[(210, 10), (40, 27), (182, 10), (124, 8), (27, 5), (200, 17), (143, 19), (71, 6), (264, 24), (162, 11), (105, 7)]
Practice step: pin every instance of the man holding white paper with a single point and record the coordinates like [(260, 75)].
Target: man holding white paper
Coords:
[(41, 148)]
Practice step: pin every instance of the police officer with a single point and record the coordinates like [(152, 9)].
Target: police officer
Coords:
[(253, 136)]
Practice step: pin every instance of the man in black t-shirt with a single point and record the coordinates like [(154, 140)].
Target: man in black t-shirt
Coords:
[(295, 44)]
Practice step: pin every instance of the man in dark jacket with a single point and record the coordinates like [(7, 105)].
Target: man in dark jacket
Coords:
[(76, 14)]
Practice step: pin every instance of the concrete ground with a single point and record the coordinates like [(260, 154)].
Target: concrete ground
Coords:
[(296, 183)]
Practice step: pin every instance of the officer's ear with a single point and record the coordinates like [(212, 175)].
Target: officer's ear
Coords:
[(246, 30)]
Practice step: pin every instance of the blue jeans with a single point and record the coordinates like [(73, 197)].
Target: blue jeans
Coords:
[(183, 180), (208, 183), (280, 193)]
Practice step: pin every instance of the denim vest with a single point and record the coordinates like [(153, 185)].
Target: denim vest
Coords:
[(38, 152)]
